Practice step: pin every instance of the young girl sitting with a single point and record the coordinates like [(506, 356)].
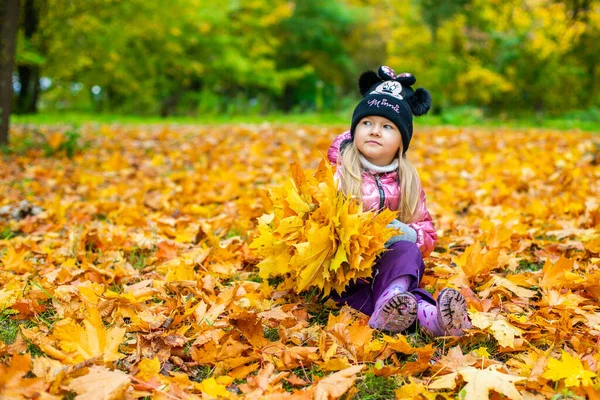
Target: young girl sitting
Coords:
[(372, 166)]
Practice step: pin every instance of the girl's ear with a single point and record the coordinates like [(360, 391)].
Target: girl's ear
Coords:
[(367, 80), (420, 102)]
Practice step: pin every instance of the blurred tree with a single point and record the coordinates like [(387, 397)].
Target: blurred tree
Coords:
[(9, 17), (188, 56), (434, 13), (28, 65), (314, 39), (510, 56)]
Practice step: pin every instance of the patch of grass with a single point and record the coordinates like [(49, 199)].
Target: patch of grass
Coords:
[(274, 281), (308, 374), (319, 313), (420, 338), (489, 343), (546, 238), (272, 333), (35, 140), (187, 347), (440, 249), (70, 144), (566, 394), (451, 116), (117, 288), (254, 278), (137, 257), (9, 327), (6, 233), (48, 317), (34, 350), (69, 396), (372, 387), (232, 233), (528, 266), (200, 373), (313, 295)]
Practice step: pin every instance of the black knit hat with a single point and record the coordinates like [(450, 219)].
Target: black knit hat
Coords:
[(391, 96)]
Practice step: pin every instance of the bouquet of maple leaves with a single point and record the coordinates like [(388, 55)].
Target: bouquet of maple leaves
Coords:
[(316, 237)]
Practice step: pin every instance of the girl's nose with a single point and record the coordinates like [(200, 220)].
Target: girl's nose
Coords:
[(375, 129)]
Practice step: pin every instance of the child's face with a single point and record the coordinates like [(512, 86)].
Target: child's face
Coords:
[(378, 139)]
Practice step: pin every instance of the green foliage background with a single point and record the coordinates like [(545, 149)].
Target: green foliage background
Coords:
[(249, 57)]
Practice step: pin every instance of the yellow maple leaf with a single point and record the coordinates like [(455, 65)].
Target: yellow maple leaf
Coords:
[(482, 352), (475, 263), (91, 339), (311, 255), (593, 246), (558, 274), (16, 261), (497, 324), (480, 382), (334, 364), (316, 236), (570, 369), (7, 298), (212, 388), (177, 270), (148, 368), (413, 390)]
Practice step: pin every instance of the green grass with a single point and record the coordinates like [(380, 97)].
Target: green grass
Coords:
[(528, 266), (462, 116), (271, 333), (372, 387), (200, 373), (6, 233), (9, 327), (76, 118), (137, 257)]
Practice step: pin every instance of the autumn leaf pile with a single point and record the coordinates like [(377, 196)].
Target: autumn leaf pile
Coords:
[(316, 237), (126, 272)]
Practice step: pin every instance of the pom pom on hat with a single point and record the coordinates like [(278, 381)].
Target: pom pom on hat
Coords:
[(366, 81), (420, 102)]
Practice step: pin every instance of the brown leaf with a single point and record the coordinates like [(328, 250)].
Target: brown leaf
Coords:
[(100, 384), (335, 385)]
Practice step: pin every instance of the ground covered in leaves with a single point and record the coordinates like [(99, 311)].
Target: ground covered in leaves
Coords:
[(125, 270)]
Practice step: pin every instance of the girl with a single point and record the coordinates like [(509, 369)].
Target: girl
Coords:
[(372, 166)]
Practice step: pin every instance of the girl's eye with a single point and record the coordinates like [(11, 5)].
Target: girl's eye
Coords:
[(388, 127), (367, 122)]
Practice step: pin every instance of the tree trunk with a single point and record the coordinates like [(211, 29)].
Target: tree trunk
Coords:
[(9, 23), (29, 75), (287, 100)]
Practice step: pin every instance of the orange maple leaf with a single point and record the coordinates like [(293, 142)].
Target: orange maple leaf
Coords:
[(13, 385)]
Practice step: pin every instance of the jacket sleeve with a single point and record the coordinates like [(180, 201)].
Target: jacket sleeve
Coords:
[(334, 150), (426, 234)]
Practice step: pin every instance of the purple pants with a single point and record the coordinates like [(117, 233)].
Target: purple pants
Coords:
[(402, 258)]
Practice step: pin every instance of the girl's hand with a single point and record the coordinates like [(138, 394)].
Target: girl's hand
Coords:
[(408, 233)]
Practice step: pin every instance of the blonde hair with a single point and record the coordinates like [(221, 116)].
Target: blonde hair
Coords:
[(408, 180)]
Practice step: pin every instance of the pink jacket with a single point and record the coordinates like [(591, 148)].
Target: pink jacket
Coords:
[(376, 184)]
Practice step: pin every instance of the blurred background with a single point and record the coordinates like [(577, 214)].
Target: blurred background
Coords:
[(201, 58)]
